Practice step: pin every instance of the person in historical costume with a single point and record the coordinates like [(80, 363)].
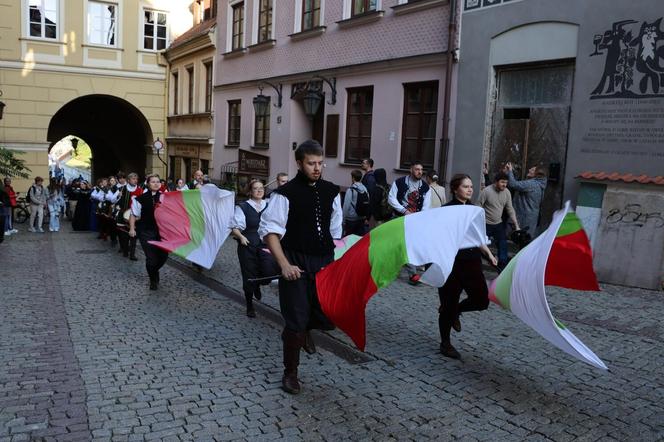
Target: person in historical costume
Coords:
[(98, 197), (81, 195), (122, 200), (298, 226), (255, 262), (142, 224), (466, 275)]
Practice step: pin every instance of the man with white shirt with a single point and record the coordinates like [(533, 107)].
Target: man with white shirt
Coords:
[(299, 225), (123, 198), (410, 194)]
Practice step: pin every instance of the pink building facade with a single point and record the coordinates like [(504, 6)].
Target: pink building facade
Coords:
[(378, 68)]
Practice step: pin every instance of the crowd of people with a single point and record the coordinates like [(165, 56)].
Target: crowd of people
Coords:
[(289, 234)]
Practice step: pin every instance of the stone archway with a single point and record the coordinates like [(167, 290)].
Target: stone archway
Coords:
[(118, 133)]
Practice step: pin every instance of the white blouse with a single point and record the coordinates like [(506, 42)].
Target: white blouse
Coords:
[(239, 220)]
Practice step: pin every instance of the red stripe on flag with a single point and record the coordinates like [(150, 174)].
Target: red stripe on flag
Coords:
[(570, 263), (344, 288), (173, 222)]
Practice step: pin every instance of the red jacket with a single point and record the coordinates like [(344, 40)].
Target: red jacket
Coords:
[(12, 195)]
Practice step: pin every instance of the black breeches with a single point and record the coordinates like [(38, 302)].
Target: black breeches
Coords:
[(250, 267), (127, 243), (155, 257), (298, 299), (466, 275)]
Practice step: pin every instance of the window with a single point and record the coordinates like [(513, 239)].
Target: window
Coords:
[(358, 124), (362, 6), (154, 30), (102, 22), (234, 122), (175, 93), (43, 16), (262, 129), (208, 86), (419, 123), (310, 14), (238, 26), (190, 89), (264, 20), (204, 165)]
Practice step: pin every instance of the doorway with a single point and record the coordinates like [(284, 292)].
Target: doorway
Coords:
[(531, 126)]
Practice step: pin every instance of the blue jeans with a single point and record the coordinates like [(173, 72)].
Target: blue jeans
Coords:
[(7, 213), (54, 213), (499, 235)]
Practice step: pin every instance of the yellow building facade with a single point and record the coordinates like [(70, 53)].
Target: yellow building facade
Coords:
[(90, 69)]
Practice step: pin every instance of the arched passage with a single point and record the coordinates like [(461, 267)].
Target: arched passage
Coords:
[(117, 132)]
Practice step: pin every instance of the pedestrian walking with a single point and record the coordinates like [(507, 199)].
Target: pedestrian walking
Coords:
[(466, 276), (410, 194), (9, 210), (83, 208), (298, 226), (528, 200), (496, 200), (142, 224), (250, 253), (4, 204), (55, 202), (356, 206), (437, 191), (37, 195)]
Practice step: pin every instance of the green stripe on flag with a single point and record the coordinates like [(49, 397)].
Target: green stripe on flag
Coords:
[(194, 205), (504, 283), (387, 251), (571, 224)]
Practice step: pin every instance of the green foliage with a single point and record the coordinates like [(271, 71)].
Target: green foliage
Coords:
[(10, 165)]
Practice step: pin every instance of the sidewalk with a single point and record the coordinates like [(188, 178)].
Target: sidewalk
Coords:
[(91, 353)]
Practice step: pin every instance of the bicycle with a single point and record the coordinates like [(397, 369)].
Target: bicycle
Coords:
[(21, 211)]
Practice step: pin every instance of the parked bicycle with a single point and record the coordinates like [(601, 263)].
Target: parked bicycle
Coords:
[(22, 210)]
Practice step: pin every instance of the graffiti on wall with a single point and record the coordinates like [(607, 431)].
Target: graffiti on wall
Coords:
[(633, 54)]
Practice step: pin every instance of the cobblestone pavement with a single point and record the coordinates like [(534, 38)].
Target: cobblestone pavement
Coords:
[(89, 353)]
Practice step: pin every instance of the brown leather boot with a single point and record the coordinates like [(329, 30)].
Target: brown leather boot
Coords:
[(292, 343)]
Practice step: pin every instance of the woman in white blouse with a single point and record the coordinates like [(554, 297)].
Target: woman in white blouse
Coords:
[(250, 251)]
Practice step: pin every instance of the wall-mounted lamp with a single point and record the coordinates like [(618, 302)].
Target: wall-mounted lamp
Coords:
[(261, 102), (333, 87)]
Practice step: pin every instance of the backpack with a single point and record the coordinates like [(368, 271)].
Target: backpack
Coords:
[(27, 195), (362, 205), (384, 210)]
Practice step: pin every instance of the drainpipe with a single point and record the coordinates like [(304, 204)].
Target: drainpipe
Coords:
[(445, 141)]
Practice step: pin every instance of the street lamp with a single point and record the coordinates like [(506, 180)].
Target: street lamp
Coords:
[(261, 102), (311, 102)]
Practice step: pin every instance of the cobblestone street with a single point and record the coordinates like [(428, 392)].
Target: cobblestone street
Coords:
[(89, 353)]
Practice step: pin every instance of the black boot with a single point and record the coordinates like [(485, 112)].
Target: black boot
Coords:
[(250, 305), (292, 343), (309, 345), (446, 347), (257, 293), (154, 280)]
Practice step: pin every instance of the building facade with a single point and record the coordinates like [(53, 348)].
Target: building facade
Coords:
[(90, 69), (578, 88), (190, 122), (365, 79)]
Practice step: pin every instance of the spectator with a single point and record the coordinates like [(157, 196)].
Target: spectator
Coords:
[(54, 202), (181, 185), (380, 206), (529, 198), (369, 178), (4, 205), (356, 223), (197, 179), (83, 207), (9, 211), (282, 178), (37, 195), (410, 194), (495, 200), (437, 191)]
